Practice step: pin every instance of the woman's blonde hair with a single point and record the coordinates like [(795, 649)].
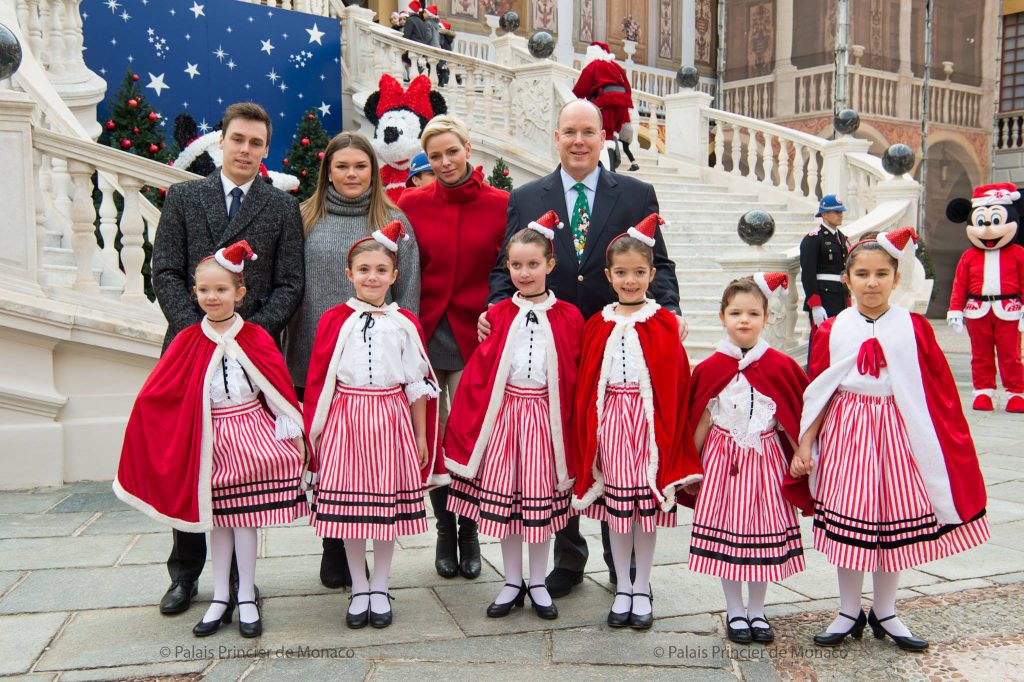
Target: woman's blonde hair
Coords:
[(439, 125), (314, 208)]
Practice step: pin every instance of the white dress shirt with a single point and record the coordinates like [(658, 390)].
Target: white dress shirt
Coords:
[(228, 185), (590, 189), (380, 353)]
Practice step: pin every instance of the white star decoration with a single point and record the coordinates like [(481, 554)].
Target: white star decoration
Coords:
[(231, 64), (192, 70), (113, 5), (324, 108), (125, 15), (273, 76), (197, 9), (267, 47), (157, 83), (315, 35), (219, 53), (204, 127)]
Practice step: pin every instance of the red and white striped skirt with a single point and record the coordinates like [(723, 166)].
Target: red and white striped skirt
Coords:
[(514, 492), (743, 529), (256, 478), (624, 453), (370, 484), (871, 509)]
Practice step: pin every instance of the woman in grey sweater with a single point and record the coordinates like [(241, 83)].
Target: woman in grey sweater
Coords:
[(349, 203)]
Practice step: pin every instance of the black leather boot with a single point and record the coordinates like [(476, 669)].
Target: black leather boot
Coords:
[(469, 549), (446, 560)]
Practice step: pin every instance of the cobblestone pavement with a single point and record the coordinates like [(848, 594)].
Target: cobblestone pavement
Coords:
[(81, 575)]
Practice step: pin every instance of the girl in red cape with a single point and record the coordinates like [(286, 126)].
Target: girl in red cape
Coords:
[(634, 447), (745, 405), (202, 450), (893, 471), (508, 437), (368, 423)]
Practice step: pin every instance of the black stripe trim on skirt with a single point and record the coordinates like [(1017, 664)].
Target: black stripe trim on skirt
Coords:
[(527, 523), (749, 561), (628, 513), (272, 491), (379, 520), (893, 544), (250, 508), (788, 531), (746, 545), (292, 480), (325, 491)]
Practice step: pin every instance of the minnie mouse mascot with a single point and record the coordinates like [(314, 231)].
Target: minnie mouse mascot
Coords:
[(987, 291), (399, 118)]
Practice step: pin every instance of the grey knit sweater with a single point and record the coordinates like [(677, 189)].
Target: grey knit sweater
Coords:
[(327, 247)]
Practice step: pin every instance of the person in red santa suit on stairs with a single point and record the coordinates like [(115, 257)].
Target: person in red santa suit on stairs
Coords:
[(987, 291), (894, 474), (371, 420), (214, 440), (604, 82), (508, 437), (634, 446)]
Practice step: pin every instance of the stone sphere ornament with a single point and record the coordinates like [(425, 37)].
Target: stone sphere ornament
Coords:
[(846, 122), (898, 159), (756, 227), (10, 53), (509, 22), (687, 77), (541, 45)]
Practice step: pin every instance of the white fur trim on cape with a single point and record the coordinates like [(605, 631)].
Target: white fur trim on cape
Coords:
[(727, 347), (895, 333)]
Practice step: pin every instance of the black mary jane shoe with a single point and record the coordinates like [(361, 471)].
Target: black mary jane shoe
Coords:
[(738, 635), (907, 643), (763, 635), (496, 610), (620, 620), (253, 629), (358, 620), (381, 620), (836, 638), (549, 612), (206, 628), (645, 621)]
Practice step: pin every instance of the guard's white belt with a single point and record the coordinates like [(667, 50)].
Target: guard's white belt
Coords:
[(829, 278)]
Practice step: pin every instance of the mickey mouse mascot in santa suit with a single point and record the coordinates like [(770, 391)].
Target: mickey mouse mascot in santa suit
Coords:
[(399, 117), (604, 82), (987, 291)]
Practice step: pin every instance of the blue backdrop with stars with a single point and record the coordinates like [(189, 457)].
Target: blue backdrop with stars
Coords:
[(200, 57)]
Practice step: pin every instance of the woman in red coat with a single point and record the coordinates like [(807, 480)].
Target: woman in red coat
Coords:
[(460, 226)]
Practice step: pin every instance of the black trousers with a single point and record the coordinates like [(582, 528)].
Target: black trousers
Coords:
[(571, 550), (188, 556)]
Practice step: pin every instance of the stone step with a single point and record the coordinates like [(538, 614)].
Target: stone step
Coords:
[(57, 255), (697, 276), (683, 251), (700, 234), (53, 239), (63, 276)]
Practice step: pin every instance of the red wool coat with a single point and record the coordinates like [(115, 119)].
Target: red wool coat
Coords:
[(925, 393), (482, 387), (333, 330), (664, 388), (167, 457), (459, 231), (770, 373)]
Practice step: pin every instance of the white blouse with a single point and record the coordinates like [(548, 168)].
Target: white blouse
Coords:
[(623, 367), (743, 411), (230, 385), (865, 384), (380, 353), (528, 368)]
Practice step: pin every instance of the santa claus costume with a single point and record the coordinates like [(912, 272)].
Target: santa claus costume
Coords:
[(367, 367), (209, 443), (895, 477), (987, 291), (508, 439), (634, 446), (744, 530), (604, 82)]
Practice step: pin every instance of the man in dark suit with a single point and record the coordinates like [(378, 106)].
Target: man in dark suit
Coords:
[(199, 217), (611, 204)]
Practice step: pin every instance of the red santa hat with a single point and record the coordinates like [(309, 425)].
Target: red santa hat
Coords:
[(445, 25), (415, 7), (646, 229), (771, 282), (391, 234), (899, 242), (431, 11), (547, 224), (233, 257), (1004, 193), (603, 46)]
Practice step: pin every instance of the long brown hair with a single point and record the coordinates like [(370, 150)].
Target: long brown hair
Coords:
[(315, 207)]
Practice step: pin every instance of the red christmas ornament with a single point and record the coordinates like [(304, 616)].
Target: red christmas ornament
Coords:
[(305, 141), (110, 125), (295, 191), (153, 149), (126, 143), (303, 173), (153, 116), (162, 192), (319, 155), (135, 130), (163, 145), (311, 117), (133, 103), (505, 173), (135, 76), (284, 162)]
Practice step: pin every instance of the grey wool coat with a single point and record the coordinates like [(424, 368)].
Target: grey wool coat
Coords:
[(194, 224)]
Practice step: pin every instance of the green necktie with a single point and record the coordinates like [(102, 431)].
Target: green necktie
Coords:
[(580, 219)]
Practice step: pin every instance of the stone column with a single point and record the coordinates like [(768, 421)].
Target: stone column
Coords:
[(905, 82), (689, 31), (785, 72), (18, 258), (686, 126), (563, 22)]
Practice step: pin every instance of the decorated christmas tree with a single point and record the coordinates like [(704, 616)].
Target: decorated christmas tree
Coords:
[(499, 176), (303, 160)]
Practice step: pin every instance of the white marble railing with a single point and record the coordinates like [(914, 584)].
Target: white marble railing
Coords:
[(813, 91), (1010, 130), (952, 104), (754, 97)]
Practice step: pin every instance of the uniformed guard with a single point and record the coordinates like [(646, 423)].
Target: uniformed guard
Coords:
[(822, 259)]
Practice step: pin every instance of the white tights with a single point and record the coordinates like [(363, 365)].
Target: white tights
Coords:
[(885, 584), (243, 543), (734, 601), (512, 560), (624, 545), (383, 553)]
